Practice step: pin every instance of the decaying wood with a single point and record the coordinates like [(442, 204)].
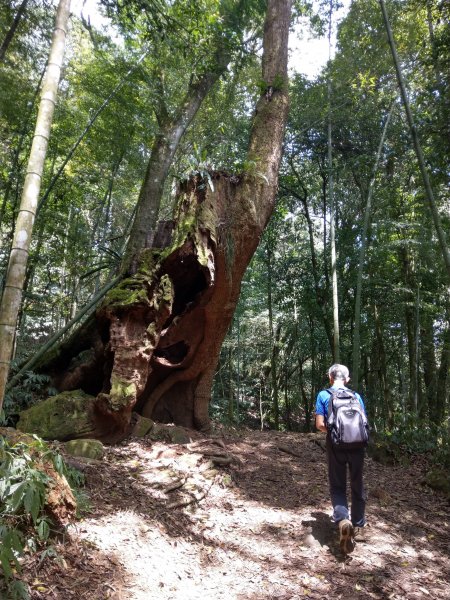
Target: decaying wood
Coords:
[(154, 345), (60, 503)]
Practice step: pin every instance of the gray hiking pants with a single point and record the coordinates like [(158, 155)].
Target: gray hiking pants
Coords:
[(337, 474)]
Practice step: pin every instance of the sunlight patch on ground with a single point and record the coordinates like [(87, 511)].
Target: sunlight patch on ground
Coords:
[(258, 532), (223, 545)]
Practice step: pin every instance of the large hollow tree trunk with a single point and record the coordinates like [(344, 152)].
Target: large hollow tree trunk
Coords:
[(154, 344)]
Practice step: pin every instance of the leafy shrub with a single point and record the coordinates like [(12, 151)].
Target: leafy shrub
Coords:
[(24, 527), (419, 437)]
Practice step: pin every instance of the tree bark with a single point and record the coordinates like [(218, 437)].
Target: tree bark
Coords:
[(428, 355), (334, 281), (15, 276), (157, 336), (274, 339)]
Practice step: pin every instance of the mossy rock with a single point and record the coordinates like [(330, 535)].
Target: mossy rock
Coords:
[(142, 427), (178, 435), (85, 448), (62, 417), (169, 433), (159, 433), (437, 479)]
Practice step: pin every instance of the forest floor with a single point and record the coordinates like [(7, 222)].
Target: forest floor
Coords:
[(243, 516)]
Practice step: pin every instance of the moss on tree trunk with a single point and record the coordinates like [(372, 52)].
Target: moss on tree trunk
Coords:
[(154, 344)]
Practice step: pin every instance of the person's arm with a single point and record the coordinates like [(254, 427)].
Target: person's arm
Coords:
[(320, 423), (320, 412)]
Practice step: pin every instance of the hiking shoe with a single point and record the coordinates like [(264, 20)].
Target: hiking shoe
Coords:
[(346, 541)]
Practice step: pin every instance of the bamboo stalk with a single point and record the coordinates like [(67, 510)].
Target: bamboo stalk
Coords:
[(416, 143), (15, 276)]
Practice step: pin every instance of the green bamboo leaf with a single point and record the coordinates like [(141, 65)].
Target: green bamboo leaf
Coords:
[(59, 463), (17, 498), (43, 530), (5, 557), (33, 502)]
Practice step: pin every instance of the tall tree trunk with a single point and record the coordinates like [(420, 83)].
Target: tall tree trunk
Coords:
[(287, 402), (362, 254), (410, 320), (274, 339), (428, 356), (314, 383), (14, 172), (384, 378), (307, 406), (230, 394), (443, 379), (12, 30), (443, 104), (158, 334), (12, 294), (85, 131), (334, 282), (315, 272), (325, 233), (163, 150)]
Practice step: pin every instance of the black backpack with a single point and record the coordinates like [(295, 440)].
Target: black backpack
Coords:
[(347, 422)]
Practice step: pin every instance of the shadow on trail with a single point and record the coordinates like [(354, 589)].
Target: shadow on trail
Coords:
[(321, 527), (271, 518)]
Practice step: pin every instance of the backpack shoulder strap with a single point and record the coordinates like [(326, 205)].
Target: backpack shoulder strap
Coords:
[(330, 410)]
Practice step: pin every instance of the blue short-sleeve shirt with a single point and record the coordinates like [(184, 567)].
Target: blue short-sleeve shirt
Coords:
[(323, 399)]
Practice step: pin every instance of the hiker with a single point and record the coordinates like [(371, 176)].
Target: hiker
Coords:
[(342, 450)]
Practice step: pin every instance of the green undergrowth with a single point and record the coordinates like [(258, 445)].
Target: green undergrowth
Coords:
[(420, 438), (404, 444), (25, 527), (31, 389), (430, 442)]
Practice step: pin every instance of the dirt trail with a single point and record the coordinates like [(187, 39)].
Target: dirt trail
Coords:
[(167, 522)]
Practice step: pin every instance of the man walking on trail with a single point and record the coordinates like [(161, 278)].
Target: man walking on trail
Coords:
[(340, 455)]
